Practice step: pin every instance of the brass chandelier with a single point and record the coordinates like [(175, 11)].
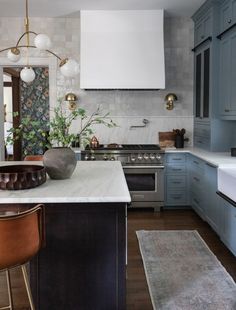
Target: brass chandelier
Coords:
[(68, 67)]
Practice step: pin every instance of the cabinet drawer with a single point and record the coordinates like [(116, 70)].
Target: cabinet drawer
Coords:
[(177, 181), (176, 198), (196, 181), (175, 169), (196, 164), (176, 158)]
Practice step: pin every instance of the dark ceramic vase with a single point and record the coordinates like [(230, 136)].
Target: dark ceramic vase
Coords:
[(59, 162)]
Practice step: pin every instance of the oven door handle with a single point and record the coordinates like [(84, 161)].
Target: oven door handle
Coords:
[(144, 167)]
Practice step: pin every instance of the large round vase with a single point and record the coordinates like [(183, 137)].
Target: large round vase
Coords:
[(59, 162)]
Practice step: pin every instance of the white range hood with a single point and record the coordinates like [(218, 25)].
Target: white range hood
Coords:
[(122, 50)]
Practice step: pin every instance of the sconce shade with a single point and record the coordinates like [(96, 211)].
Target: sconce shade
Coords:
[(69, 68), (13, 54), (27, 74), (171, 97), (42, 41), (71, 97)]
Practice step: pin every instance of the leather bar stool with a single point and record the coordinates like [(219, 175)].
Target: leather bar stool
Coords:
[(33, 157), (21, 237)]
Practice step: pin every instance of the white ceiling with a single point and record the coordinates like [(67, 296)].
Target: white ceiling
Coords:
[(58, 8)]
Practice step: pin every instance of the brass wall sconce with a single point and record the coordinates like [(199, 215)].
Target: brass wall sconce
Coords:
[(170, 98), (72, 100)]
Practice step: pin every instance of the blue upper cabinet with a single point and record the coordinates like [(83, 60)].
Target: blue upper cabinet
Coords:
[(203, 28), (227, 14), (227, 76), (214, 76)]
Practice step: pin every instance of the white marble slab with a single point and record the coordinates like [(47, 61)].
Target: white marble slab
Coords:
[(91, 182), (227, 181), (215, 158)]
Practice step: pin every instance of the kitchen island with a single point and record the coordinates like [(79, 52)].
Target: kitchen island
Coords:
[(83, 263)]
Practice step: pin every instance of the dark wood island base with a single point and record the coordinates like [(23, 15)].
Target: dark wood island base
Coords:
[(83, 264)]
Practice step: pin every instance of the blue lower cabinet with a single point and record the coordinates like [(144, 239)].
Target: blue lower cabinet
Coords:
[(176, 185), (228, 224)]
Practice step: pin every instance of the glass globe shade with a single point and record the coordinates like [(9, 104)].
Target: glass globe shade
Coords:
[(42, 41), (13, 55), (70, 68), (27, 74)]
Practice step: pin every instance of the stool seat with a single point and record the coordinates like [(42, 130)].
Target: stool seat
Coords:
[(21, 237)]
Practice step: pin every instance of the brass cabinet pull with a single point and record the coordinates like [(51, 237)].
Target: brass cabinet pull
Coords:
[(226, 110)]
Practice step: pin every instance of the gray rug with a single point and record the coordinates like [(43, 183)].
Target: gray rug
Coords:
[(183, 274)]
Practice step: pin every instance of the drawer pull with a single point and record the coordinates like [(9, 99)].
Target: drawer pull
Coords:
[(196, 162), (226, 110), (176, 197), (199, 141), (196, 179), (229, 21), (175, 169), (197, 202), (176, 182), (176, 158)]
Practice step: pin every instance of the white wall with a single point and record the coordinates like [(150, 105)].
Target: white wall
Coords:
[(126, 107)]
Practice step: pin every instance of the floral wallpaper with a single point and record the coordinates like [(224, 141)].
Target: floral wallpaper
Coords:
[(35, 104)]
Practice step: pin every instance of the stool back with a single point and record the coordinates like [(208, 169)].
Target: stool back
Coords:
[(33, 158), (21, 236)]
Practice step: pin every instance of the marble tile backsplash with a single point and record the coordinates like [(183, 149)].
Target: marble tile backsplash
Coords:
[(125, 107)]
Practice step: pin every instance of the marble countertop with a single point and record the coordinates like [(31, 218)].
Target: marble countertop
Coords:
[(101, 181), (214, 158)]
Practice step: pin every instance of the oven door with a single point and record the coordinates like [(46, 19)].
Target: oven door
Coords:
[(145, 184)]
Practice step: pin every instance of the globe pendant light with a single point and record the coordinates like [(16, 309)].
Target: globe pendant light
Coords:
[(68, 67), (27, 74)]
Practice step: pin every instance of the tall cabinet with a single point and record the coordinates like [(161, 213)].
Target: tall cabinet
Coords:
[(210, 131), (227, 75)]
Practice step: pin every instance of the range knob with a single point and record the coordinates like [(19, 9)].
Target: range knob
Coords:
[(112, 158), (146, 156), (93, 157), (152, 157), (86, 157), (133, 158), (140, 157), (158, 157), (105, 157)]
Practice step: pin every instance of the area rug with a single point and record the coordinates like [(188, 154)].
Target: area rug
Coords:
[(183, 274)]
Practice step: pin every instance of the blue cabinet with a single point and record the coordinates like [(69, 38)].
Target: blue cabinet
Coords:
[(228, 224), (176, 185), (227, 76), (196, 185), (211, 199), (214, 76)]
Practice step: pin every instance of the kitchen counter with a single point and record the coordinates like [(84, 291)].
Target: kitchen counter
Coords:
[(215, 158), (83, 265), (101, 181)]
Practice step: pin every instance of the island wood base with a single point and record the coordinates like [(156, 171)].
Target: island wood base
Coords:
[(83, 264)]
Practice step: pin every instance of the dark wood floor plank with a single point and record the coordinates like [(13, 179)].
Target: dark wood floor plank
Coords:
[(137, 290)]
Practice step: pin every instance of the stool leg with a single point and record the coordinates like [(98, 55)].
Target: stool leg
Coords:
[(27, 285), (9, 289)]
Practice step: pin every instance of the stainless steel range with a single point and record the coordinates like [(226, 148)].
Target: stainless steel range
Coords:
[(143, 167)]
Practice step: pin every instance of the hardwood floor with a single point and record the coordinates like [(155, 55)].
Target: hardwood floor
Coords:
[(137, 291)]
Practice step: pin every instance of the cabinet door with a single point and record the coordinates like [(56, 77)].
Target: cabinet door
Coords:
[(198, 84), (199, 32), (225, 16), (228, 230), (234, 11), (211, 198), (224, 89), (233, 75)]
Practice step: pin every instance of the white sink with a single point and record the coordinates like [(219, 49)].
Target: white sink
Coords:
[(227, 181)]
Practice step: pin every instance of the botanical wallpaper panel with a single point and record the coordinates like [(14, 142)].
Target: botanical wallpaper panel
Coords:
[(35, 104)]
